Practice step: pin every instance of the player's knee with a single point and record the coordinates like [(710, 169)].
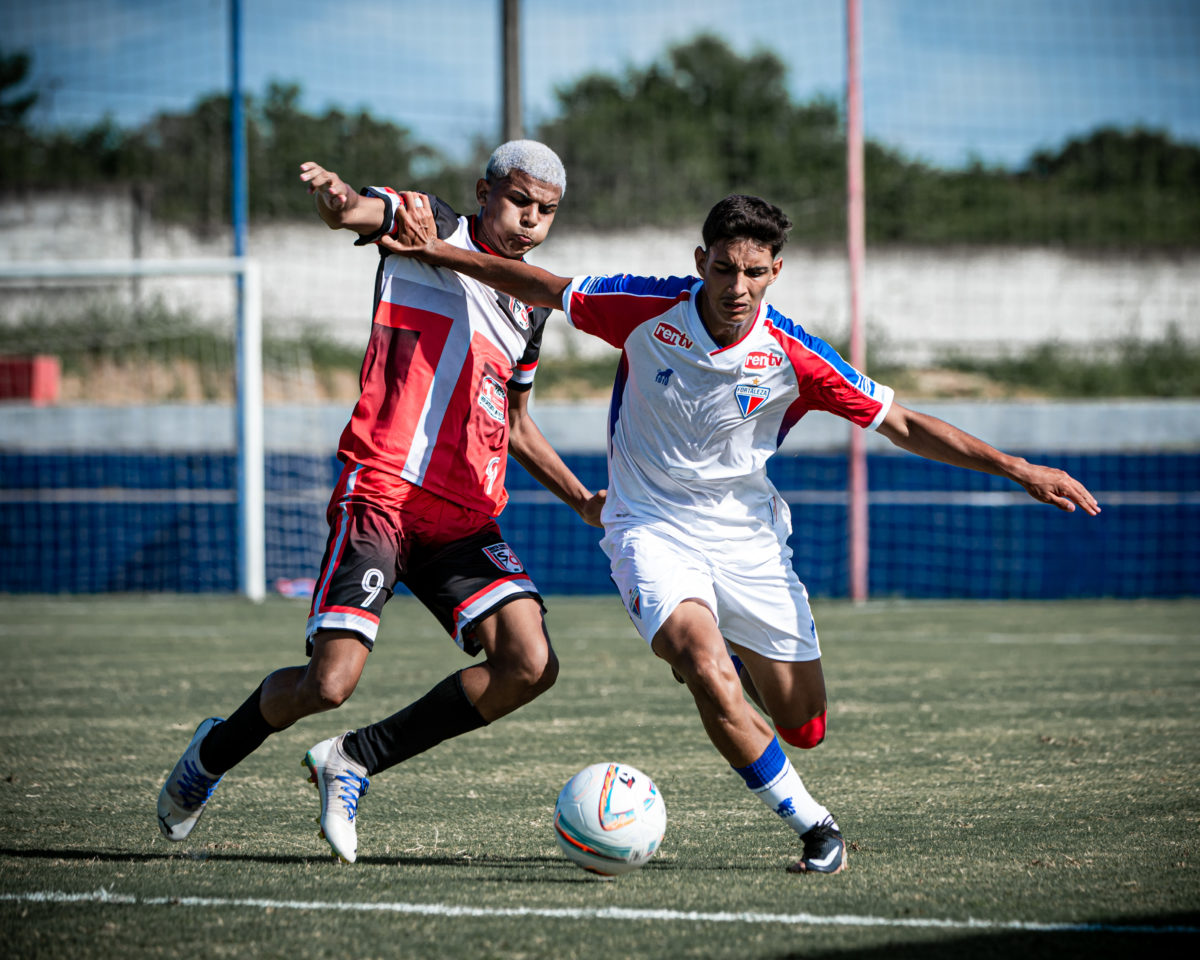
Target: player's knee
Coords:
[(545, 678), (711, 677), (529, 675), (328, 692), (806, 736)]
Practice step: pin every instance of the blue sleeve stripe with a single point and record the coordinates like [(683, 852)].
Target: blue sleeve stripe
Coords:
[(766, 768), (618, 396), (817, 346), (624, 283)]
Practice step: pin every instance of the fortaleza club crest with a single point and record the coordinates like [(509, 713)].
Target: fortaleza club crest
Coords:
[(502, 556), (750, 398), (635, 602)]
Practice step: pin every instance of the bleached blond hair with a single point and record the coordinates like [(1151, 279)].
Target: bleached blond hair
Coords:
[(528, 156)]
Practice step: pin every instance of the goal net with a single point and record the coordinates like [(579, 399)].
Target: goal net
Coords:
[(133, 440)]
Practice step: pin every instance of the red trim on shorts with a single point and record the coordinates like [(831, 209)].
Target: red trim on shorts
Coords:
[(351, 611), (343, 538), (488, 589)]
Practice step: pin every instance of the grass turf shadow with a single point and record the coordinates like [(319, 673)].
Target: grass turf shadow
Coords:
[(1099, 944)]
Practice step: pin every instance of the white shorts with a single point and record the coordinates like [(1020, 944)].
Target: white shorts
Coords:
[(754, 594)]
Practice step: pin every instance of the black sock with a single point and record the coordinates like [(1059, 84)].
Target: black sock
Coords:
[(444, 712), (231, 742)]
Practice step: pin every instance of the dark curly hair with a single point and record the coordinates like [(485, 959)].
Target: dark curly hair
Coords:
[(739, 216)]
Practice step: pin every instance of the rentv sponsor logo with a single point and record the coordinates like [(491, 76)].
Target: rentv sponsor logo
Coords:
[(763, 360), (672, 336)]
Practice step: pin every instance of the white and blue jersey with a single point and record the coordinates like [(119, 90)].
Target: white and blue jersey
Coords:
[(692, 423)]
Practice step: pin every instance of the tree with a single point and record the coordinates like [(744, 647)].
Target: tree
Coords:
[(14, 106), (14, 72), (661, 144), (655, 145)]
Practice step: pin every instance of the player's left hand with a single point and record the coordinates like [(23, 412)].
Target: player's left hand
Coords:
[(590, 511), (330, 189), (415, 226), (1058, 488)]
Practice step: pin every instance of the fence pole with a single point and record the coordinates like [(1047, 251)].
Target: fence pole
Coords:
[(510, 33), (857, 512)]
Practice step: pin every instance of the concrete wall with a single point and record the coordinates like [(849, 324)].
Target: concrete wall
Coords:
[(919, 302)]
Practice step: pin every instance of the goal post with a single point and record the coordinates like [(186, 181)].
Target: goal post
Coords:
[(251, 519)]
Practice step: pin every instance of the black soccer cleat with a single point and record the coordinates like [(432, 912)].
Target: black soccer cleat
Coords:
[(824, 850)]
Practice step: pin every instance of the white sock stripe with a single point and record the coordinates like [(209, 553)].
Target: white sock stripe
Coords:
[(598, 913), (783, 772)]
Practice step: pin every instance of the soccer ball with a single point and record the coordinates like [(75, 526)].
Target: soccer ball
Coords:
[(609, 818)]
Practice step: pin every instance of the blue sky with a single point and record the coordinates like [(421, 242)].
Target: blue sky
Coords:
[(944, 80)]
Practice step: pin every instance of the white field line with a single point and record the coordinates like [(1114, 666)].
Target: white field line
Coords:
[(577, 913)]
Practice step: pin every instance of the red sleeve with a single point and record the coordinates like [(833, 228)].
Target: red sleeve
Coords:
[(612, 307)]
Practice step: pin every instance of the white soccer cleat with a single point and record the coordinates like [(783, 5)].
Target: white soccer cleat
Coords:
[(182, 798), (342, 783)]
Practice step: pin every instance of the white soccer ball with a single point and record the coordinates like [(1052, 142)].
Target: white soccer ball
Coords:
[(609, 818)]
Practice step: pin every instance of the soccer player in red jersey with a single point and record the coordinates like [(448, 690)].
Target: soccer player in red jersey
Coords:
[(711, 378), (445, 392)]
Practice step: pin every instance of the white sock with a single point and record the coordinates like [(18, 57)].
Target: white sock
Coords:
[(774, 780)]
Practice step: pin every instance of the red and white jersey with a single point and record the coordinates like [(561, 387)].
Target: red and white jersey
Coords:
[(443, 354), (692, 424)]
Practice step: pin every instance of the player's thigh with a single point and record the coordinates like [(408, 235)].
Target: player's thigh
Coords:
[(514, 637), (464, 582), (358, 572), (764, 607), (654, 575), (691, 641), (792, 692), (337, 662)]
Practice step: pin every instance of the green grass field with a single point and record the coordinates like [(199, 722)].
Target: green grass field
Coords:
[(1006, 763)]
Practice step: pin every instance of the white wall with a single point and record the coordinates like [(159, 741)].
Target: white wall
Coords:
[(919, 302)]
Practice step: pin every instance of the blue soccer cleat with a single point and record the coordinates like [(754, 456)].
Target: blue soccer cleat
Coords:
[(182, 798)]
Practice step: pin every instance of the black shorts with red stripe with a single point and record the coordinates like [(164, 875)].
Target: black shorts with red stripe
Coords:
[(453, 559)]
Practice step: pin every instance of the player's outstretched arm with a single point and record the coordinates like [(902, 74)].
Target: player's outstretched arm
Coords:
[(338, 204), (532, 450), (935, 439), (417, 237)]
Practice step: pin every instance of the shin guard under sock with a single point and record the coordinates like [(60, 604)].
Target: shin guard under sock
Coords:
[(233, 740), (444, 712)]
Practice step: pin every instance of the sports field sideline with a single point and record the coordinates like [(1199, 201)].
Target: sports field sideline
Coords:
[(1011, 777)]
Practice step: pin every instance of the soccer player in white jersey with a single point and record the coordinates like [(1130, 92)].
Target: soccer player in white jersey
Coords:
[(710, 380), (445, 391)]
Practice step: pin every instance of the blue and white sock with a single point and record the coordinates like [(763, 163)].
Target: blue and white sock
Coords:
[(774, 780)]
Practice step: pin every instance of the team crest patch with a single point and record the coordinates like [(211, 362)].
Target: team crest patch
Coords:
[(501, 555), (515, 309), (750, 398), (493, 398), (635, 602)]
